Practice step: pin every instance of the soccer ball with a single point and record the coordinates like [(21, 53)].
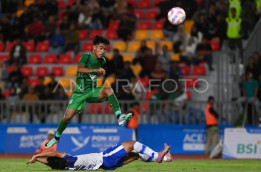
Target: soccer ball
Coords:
[(176, 15)]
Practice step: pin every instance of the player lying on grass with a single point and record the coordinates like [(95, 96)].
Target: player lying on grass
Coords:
[(110, 159), (86, 90)]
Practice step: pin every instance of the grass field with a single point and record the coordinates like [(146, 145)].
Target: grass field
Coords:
[(19, 165)]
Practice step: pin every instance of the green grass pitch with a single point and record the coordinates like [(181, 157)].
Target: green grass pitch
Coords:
[(19, 165)]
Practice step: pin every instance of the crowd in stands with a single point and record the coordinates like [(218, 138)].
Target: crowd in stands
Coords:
[(58, 23)]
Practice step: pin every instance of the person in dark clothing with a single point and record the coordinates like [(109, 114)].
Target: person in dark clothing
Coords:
[(65, 25), (17, 30), (116, 64), (2, 97), (202, 25), (18, 54), (204, 53), (52, 84), (15, 78), (60, 94), (143, 48), (126, 26), (211, 123), (127, 72), (39, 89), (5, 28), (26, 18), (49, 7), (24, 87), (126, 95)]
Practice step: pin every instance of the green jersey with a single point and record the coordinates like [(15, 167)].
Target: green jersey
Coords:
[(87, 81)]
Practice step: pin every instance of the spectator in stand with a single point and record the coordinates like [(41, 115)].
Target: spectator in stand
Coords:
[(84, 18), (43, 149), (196, 34), (60, 94), (8, 6), (221, 26), (72, 39), (39, 89), (242, 80), (164, 58), (26, 18), (212, 28), (93, 5), (126, 26), (49, 27), (23, 88), (65, 25), (169, 29), (18, 54), (12, 99), (126, 95), (15, 78), (52, 84), (120, 7), (158, 73), (56, 43), (2, 97), (46, 95), (149, 62), (250, 90), (202, 24), (4, 75), (127, 72), (257, 64), (49, 8), (5, 28), (138, 59), (204, 53), (174, 71), (143, 48), (107, 6), (116, 64), (190, 50), (74, 11), (17, 30), (96, 20), (35, 30), (252, 67), (164, 7), (179, 40), (136, 88)]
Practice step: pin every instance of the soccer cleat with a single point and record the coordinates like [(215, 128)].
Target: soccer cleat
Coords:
[(168, 156), (52, 142), (162, 154), (123, 119)]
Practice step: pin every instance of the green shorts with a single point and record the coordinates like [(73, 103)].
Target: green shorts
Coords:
[(78, 100)]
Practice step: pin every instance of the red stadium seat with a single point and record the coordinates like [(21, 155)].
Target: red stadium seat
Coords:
[(184, 69), (71, 2), (144, 25), (158, 25), (4, 57), (61, 4), (111, 34), (61, 13), (191, 82), (138, 13), (33, 82), (156, 3), (2, 46), (132, 2), (41, 71), (9, 46), (151, 14), (34, 59), (144, 4), (50, 59), (82, 34), (6, 93), (77, 58), (27, 71), (65, 59), (144, 81), (215, 45), (199, 70), (113, 25), (148, 95), (42, 47), (9, 68), (58, 71), (108, 109), (29, 46), (188, 94), (96, 108), (94, 33), (87, 46)]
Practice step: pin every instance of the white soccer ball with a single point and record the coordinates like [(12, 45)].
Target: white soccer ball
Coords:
[(176, 15)]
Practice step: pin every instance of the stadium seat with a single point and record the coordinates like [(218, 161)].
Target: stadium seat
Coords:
[(47, 80), (96, 108), (128, 58), (151, 14), (189, 95), (148, 94), (87, 46), (108, 109), (42, 47), (175, 57), (199, 70), (33, 82), (157, 35), (144, 4), (65, 59), (144, 81), (34, 59), (191, 82), (61, 13), (133, 46), (142, 25), (61, 4), (157, 2), (6, 93), (2, 46), (136, 69), (111, 34), (109, 56), (151, 44), (120, 45), (9, 46), (139, 14), (57, 71), (215, 45), (77, 58), (82, 34), (168, 44), (41, 71), (69, 93), (99, 81), (142, 35), (4, 57), (50, 59), (113, 25), (9, 68), (158, 25), (188, 25), (94, 33), (185, 69), (108, 81), (27, 71), (65, 82), (71, 71), (132, 3), (71, 2), (29, 46)]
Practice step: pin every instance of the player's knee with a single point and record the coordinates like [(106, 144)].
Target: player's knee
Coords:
[(67, 118)]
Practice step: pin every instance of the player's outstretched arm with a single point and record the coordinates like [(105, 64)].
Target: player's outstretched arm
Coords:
[(46, 154)]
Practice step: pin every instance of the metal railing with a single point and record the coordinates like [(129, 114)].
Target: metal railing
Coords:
[(152, 112)]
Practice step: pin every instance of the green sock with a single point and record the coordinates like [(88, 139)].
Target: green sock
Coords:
[(114, 104), (62, 126)]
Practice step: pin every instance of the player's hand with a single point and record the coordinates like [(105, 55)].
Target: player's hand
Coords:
[(32, 160), (101, 71)]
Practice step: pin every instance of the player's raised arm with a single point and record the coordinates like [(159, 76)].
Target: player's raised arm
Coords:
[(82, 69), (46, 154)]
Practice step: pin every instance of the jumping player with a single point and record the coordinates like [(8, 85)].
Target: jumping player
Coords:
[(110, 159), (86, 89)]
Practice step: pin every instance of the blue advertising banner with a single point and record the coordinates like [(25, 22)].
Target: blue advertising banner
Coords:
[(76, 139)]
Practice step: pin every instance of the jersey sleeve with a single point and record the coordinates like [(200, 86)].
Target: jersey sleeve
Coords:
[(84, 59)]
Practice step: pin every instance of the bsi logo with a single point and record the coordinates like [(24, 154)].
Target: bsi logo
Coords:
[(80, 142), (249, 148)]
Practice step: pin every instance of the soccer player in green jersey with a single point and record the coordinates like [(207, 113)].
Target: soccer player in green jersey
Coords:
[(86, 89)]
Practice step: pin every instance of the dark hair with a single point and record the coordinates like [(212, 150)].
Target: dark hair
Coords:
[(57, 163), (211, 98), (99, 39)]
